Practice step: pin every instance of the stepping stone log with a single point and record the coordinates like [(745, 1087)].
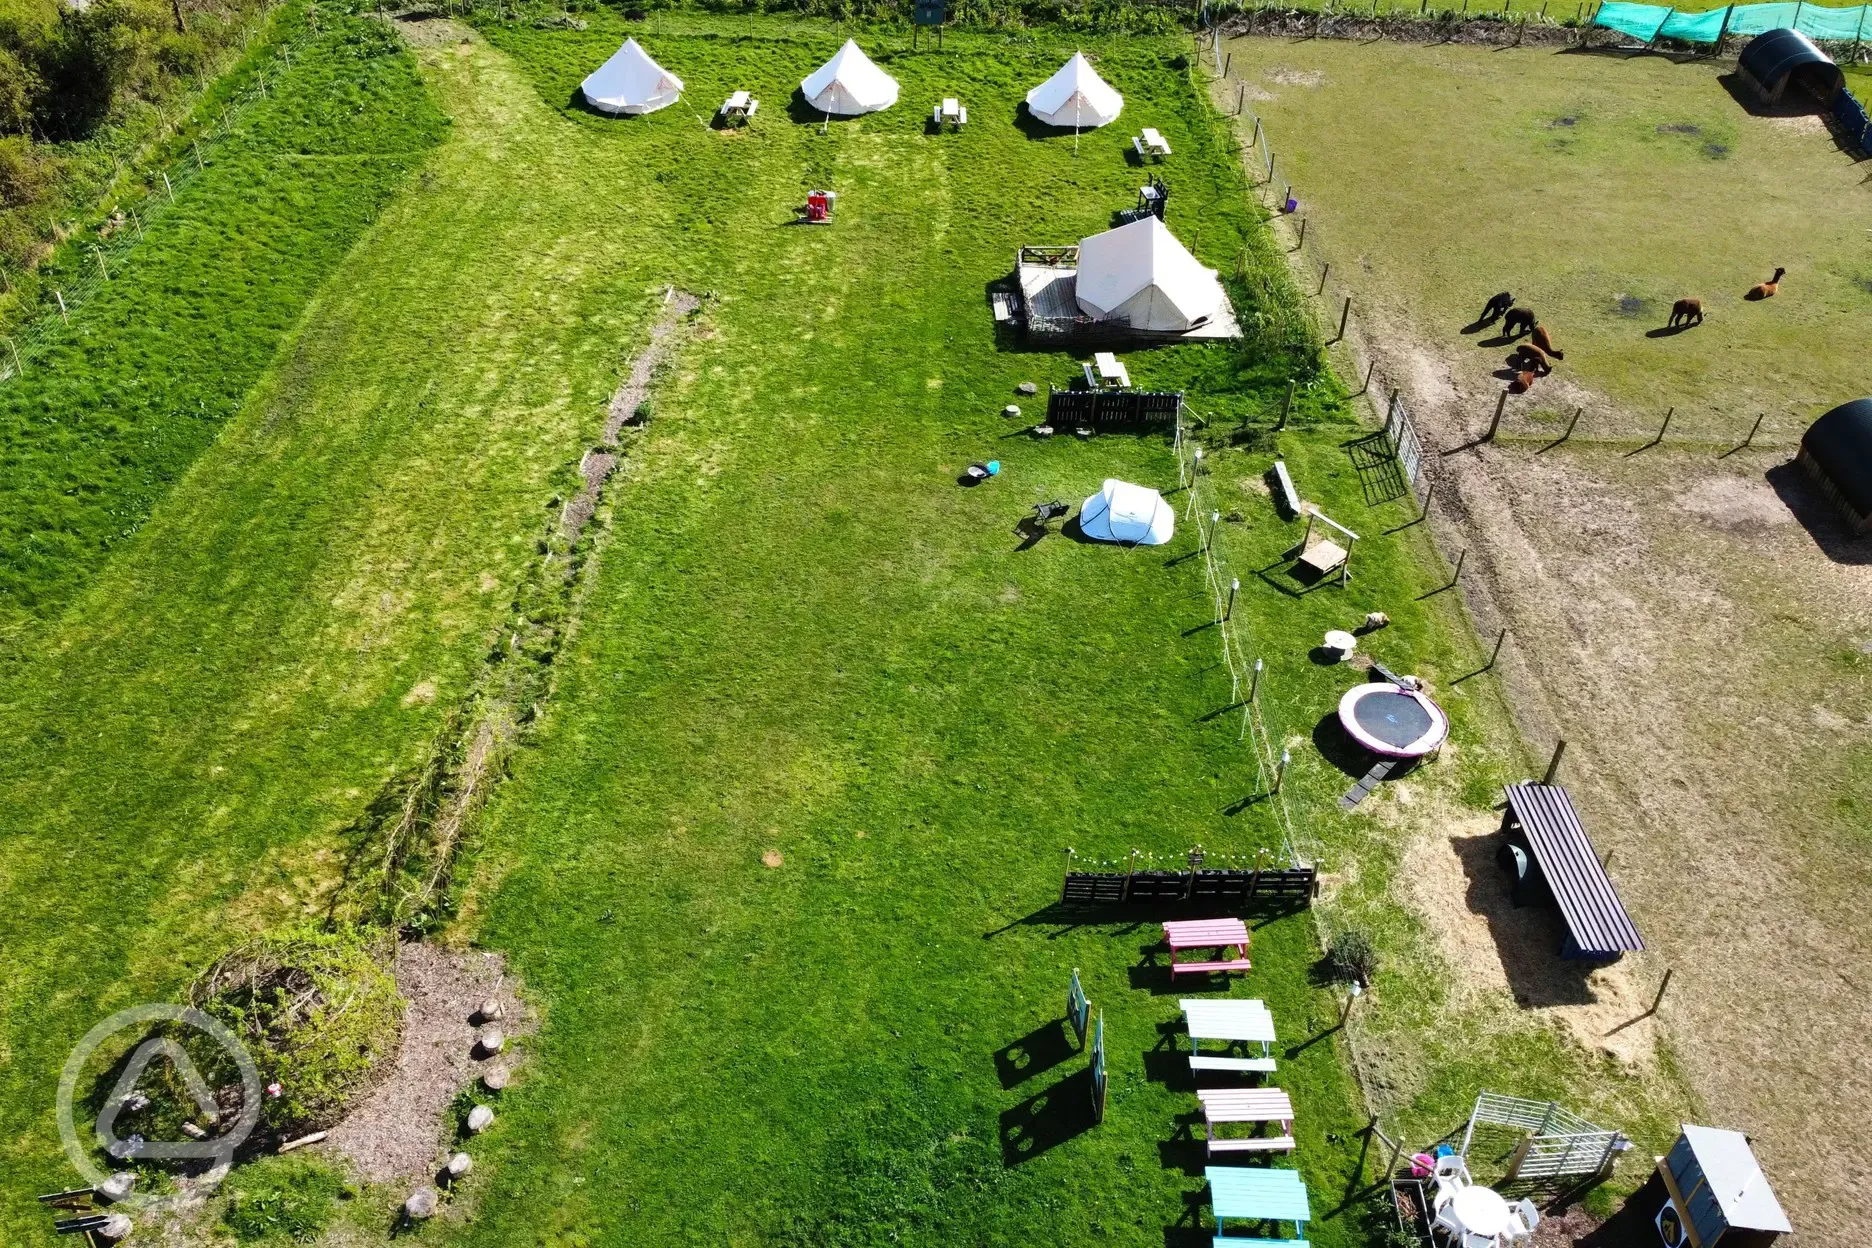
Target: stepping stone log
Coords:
[(459, 1165), (490, 1011), (115, 1230), (421, 1204), (1010, 411), (118, 1186), (494, 1078), (491, 1040), (480, 1118), (1027, 387)]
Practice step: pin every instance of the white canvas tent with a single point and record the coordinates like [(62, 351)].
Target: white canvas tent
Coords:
[(1141, 275), (1122, 512), (630, 82), (849, 84), (1075, 98)]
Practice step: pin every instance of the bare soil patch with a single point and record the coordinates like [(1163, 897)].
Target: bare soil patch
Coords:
[(400, 1132)]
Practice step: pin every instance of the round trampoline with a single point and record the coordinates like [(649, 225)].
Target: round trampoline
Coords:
[(1390, 720)]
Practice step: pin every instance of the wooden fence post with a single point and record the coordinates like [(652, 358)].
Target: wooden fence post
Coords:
[(1371, 366), (1496, 653), (1500, 405), (1457, 574), (1324, 270), (1301, 241), (1753, 430), (1344, 313), (1553, 765), (1659, 999), (1286, 406)]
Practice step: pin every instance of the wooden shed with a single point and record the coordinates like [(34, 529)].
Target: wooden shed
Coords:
[(1717, 1193)]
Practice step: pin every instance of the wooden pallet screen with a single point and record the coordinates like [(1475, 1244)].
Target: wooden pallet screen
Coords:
[(1113, 888), (1113, 409)]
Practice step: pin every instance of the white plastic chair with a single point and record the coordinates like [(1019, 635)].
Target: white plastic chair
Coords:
[(1446, 1218), (1523, 1217), (1452, 1169)]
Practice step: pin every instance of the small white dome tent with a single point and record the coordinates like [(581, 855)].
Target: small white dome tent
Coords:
[(1141, 275), (631, 83), (849, 84), (1122, 512), (1075, 98)]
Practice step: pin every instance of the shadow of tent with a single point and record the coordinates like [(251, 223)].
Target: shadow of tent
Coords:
[(1817, 515), (1047, 1119), (1527, 939), (1035, 1053)]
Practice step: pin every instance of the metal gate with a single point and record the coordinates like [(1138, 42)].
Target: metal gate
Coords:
[(1558, 1142), (1402, 435)]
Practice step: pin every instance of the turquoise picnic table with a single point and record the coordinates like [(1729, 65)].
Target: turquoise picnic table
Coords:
[(1253, 1194)]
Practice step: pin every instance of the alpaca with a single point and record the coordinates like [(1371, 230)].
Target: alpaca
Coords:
[(1540, 339), (1686, 311), (1528, 358), (1523, 382), (1518, 321), (1496, 305), (1766, 290)]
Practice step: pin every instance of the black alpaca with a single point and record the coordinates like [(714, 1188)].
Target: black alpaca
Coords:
[(1518, 321), (1496, 305)]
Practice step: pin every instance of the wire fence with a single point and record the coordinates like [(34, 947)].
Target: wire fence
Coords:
[(95, 255)]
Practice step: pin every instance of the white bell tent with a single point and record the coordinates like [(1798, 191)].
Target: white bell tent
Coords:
[(1075, 98), (1122, 512), (849, 84), (630, 82), (1141, 275)]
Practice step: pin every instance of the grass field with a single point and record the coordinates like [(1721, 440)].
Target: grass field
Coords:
[(778, 869), (101, 426), (1621, 574)]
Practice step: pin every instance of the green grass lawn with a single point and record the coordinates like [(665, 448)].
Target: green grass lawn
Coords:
[(801, 638), (110, 414)]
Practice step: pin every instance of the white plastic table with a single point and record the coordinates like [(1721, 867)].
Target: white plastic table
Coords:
[(736, 103), (1155, 141), (1481, 1211)]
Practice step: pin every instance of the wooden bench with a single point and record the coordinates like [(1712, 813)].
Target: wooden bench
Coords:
[(1209, 968), (1241, 1065), (1289, 497), (1254, 1144)]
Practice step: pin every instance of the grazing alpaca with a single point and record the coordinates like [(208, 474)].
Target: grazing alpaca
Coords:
[(1496, 305), (1518, 321), (1686, 311), (1540, 339), (1528, 358), (1523, 382), (1766, 290)]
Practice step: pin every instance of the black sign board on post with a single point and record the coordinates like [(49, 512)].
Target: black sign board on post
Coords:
[(931, 13)]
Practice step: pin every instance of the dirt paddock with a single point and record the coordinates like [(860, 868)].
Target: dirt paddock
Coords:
[(1690, 618)]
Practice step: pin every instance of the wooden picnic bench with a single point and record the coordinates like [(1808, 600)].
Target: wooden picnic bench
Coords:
[(1598, 927), (1254, 1194), (1289, 497), (1233, 1022), (1250, 1105), (1221, 934)]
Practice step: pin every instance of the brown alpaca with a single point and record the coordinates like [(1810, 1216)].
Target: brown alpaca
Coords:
[(1766, 290), (1517, 322), (1540, 339), (1528, 358), (1685, 311), (1522, 383)]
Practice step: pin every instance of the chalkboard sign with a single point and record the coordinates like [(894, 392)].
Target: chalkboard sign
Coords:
[(931, 12)]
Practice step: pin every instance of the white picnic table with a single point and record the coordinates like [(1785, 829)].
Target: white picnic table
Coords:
[(1480, 1212), (1156, 142), (1251, 1105), (740, 104), (1232, 1022), (1110, 371), (951, 111)]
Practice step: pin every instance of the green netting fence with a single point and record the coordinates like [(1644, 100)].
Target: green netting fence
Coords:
[(1650, 22)]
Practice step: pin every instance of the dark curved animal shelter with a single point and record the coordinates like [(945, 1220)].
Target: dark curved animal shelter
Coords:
[(1776, 60), (1836, 451)]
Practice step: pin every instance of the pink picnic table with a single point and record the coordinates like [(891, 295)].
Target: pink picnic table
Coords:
[(1219, 934)]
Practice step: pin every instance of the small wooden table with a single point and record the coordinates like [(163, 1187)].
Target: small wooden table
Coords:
[(1254, 1105), (739, 105), (1222, 934), (1249, 1193), (1233, 1022), (1110, 371)]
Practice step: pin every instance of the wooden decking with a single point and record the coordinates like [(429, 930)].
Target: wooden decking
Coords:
[(1597, 924)]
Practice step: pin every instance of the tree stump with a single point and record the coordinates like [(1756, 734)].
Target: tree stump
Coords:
[(115, 1230), (490, 1011), (459, 1165), (494, 1078), (118, 1186), (480, 1118), (421, 1204), (491, 1040), (1028, 387)]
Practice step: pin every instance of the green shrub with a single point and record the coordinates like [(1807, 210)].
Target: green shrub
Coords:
[(319, 1012), (1353, 958), (290, 1199)]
